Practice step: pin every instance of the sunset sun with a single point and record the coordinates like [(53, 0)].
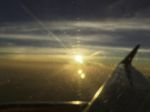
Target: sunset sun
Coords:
[(78, 58)]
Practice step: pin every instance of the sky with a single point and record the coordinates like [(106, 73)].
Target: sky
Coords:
[(73, 9), (13, 10), (69, 24)]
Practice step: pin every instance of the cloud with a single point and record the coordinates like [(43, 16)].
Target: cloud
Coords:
[(122, 33)]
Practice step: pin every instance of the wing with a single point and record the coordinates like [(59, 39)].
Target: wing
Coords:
[(127, 90)]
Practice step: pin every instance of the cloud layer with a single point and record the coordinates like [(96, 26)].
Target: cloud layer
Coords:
[(100, 38)]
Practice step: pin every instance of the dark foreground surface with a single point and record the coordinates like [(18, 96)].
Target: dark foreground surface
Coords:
[(54, 81), (44, 107)]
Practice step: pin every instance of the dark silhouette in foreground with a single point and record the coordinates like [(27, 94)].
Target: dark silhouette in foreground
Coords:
[(126, 90)]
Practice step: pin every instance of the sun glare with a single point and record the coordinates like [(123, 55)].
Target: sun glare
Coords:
[(78, 58)]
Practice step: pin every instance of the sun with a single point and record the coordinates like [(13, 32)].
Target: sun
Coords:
[(78, 58)]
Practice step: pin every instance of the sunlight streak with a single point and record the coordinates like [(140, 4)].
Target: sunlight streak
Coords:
[(43, 26)]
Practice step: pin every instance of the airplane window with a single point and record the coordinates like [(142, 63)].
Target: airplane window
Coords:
[(65, 50)]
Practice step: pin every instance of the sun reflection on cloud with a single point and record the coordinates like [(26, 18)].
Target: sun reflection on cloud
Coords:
[(82, 76), (81, 73)]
